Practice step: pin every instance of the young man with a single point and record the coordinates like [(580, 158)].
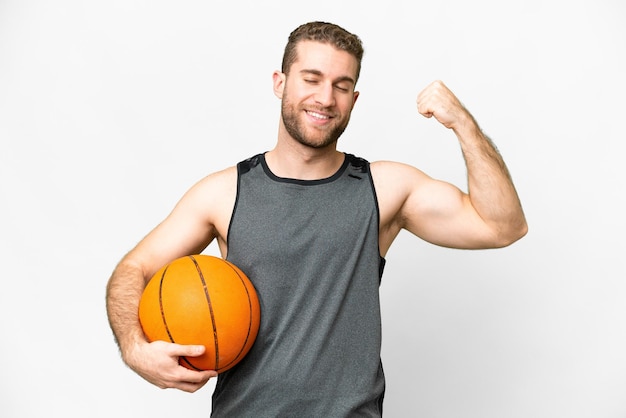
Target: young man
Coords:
[(310, 226)]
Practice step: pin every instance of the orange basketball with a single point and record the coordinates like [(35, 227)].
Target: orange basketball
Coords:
[(204, 300)]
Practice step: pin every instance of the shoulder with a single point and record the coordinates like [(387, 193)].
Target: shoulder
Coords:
[(218, 190), (386, 173), (248, 164), (210, 192), (398, 185), (394, 183), (208, 204), (215, 187)]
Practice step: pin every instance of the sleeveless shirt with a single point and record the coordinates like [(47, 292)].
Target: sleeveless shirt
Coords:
[(310, 247)]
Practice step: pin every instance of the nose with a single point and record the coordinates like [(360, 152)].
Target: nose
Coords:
[(325, 95)]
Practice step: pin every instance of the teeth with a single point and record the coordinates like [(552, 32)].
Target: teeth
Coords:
[(317, 115)]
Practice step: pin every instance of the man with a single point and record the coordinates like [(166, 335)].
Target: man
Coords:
[(310, 226)]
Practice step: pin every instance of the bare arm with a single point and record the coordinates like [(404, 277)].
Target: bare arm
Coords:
[(200, 216), (490, 215), (156, 362)]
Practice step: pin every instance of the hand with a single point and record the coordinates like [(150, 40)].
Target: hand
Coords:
[(157, 362), (438, 101)]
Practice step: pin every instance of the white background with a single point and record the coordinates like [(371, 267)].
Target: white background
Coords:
[(110, 110)]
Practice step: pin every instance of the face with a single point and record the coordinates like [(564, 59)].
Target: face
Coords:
[(318, 94)]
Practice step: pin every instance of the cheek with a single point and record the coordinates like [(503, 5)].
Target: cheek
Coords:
[(347, 105)]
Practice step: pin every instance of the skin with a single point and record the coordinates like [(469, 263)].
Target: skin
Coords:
[(318, 95)]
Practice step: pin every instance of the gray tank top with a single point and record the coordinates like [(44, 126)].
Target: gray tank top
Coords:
[(311, 250)]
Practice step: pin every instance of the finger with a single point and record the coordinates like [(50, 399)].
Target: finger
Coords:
[(425, 113), (424, 107), (190, 387), (187, 350), (426, 99), (191, 381), (430, 89), (194, 376)]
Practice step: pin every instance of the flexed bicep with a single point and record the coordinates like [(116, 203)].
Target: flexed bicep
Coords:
[(442, 214), (433, 210)]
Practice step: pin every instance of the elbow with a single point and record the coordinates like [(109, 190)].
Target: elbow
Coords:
[(512, 233)]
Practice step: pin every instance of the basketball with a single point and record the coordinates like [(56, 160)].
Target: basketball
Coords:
[(202, 300)]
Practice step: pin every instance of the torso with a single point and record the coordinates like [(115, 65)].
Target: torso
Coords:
[(311, 250)]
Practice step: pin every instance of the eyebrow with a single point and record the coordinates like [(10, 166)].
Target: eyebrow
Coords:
[(319, 73)]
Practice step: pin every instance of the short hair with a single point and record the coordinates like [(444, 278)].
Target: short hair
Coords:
[(323, 32)]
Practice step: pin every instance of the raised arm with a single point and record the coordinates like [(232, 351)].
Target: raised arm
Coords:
[(199, 217), (490, 215)]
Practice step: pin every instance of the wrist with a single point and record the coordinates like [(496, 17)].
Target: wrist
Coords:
[(465, 125), (130, 349)]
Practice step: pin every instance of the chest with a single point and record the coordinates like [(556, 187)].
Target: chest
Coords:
[(289, 219)]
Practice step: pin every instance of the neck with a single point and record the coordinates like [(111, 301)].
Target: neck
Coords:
[(296, 161)]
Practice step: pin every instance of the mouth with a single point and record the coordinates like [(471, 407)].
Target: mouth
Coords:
[(318, 116)]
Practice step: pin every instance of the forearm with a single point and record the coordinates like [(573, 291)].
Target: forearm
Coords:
[(491, 189), (124, 291)]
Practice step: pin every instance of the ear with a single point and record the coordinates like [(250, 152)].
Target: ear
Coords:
[(356, 96), (279, 83)]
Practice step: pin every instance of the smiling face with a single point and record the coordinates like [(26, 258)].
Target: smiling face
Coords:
[(317, 94)]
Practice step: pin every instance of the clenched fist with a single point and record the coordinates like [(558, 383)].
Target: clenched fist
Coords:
[(438, 101)]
